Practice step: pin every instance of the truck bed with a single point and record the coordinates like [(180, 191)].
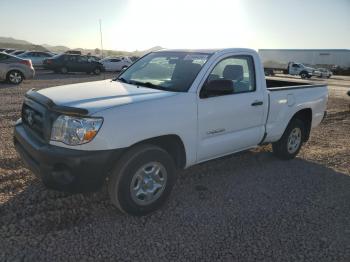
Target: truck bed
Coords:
[(288, 97), (274, 85)]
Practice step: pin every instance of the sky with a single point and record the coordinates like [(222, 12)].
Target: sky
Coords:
[(141, 24)]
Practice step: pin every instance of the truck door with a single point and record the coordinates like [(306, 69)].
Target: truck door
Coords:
[(294, 69), (84, 65), (232, 121)]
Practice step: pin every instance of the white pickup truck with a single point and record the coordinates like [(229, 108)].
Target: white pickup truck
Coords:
[(169, 110)]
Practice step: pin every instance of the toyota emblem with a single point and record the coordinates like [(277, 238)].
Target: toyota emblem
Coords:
[(30, 117)]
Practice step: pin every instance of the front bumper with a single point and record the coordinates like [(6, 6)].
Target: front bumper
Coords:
[(61, 168)]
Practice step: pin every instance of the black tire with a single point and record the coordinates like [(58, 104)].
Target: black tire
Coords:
[(127, 168), (304, 75), (64, 70), (14, 77), (281, 148), (97, 71)]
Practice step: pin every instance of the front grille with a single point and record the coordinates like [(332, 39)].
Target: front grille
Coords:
[(33, 117)]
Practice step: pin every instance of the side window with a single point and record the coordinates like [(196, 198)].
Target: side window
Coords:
[(239, 70), (115, 60), (82, 59), (3, 57)]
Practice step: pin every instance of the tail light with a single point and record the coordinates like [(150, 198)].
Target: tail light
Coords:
[(26, 62)]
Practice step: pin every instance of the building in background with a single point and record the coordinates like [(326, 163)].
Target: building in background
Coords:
[(326, 58)]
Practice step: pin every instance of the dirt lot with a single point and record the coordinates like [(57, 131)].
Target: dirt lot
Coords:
[(246, 207)]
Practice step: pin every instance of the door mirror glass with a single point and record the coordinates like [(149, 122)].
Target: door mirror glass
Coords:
[(217, 87)]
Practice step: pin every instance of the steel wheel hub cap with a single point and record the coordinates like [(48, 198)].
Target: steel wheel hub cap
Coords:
[(294, 140), (148, 183), (15, 77)]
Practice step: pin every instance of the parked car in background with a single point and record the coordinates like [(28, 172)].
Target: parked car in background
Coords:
[(37, 57), (14, 69), (93, 58), (9, 50), (323, 72), (134, 58), (17, 52), (116, 63), (65, 63), (73, 52)]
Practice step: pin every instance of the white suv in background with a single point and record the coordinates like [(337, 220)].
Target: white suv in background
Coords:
[(323, 72), (116, 63)]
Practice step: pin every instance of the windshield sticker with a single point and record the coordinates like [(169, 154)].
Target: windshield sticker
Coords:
[(196, 57)]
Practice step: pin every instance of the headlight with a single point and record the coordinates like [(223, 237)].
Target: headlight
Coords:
[(75, 130)]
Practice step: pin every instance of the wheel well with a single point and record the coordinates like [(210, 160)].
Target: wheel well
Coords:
[(305, 115), (172, 144), (306, 72)]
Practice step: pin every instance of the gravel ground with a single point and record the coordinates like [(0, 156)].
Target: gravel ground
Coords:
[(245, 207)]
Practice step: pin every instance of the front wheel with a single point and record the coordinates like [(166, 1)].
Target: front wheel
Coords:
[(303, 75), (291, 141), (142, 180), (97, 71), (15, 77)]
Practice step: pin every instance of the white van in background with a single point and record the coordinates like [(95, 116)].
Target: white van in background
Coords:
[(116, 63)]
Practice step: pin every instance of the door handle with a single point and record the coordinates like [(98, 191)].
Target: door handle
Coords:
[(257, 103)]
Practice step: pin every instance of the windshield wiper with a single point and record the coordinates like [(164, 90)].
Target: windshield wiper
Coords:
[(147, 84), (121, 79)]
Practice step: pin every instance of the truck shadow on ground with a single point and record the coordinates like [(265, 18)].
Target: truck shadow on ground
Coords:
[(245, 206)]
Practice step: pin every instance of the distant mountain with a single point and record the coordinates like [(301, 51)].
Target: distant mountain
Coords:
[(10, 40), (140, 53), (56, 49), (155, 48)]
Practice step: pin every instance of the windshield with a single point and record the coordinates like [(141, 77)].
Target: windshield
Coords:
[(171, 71)]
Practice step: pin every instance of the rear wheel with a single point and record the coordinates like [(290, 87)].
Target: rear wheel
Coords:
[(291, 141), (15, 77), (142, 180)]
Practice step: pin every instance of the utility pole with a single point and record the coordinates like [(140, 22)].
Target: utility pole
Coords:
[(101, 38)]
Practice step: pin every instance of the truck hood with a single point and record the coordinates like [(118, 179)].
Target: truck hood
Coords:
[(100, 95)]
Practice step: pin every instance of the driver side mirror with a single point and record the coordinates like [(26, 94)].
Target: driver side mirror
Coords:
[(217, 87)]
